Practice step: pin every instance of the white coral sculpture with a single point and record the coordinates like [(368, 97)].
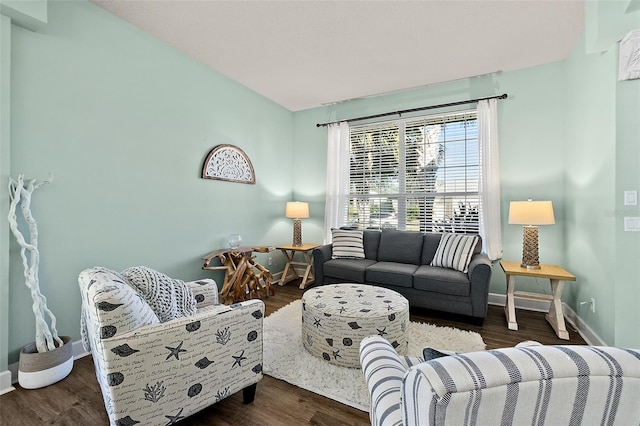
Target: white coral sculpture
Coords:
[(46, 336)]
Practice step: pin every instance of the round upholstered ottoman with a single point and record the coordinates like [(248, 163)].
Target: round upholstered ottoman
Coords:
[(336, 317)]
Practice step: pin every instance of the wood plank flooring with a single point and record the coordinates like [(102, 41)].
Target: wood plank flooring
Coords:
[(77, 400)]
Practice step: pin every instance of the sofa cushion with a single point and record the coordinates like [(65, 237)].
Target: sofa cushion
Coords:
[(455, 251), (349, 270), (400, 246), (430, 243), (442, 280), (371, 241), (346, 244), (391, 273)]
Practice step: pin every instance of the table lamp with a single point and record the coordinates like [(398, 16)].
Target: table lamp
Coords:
[(530, 214), (297, 210)]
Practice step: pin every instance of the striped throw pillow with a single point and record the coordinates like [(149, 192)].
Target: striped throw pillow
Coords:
[(347, 244), (455, 251)]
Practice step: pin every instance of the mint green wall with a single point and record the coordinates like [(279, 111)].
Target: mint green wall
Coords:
[(627, 294), (31, 14), (124, 123), (531, 163), (309, 174), (590, 151), (603, 158), (627, 281), (5, 133), (607, 21)]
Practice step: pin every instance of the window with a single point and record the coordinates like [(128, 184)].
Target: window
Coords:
[(418, 174)]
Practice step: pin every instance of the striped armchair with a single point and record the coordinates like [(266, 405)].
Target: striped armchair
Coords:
[(542, 385)]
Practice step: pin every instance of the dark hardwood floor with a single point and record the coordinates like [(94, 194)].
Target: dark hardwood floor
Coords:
[(76, 400)]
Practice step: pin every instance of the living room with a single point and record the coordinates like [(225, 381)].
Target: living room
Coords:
[(123, 122)]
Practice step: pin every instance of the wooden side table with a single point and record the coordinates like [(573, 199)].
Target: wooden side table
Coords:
[(556, 275), (240, 279), (289, 273)]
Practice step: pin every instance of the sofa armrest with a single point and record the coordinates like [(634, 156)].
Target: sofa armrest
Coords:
[(480, 278), (320, 255), (477, 260), (191, 361), (383, 371)]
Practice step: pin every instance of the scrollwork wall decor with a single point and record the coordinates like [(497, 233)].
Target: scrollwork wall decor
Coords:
[(230, 163)]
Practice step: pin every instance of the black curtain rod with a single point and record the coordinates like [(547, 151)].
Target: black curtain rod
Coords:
[(404, 111)]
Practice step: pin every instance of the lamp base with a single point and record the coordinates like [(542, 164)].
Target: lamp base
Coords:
[(297, 232), (530, 258), (522, 265)]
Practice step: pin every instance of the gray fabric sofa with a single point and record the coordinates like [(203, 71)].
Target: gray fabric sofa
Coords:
[(400, 260)]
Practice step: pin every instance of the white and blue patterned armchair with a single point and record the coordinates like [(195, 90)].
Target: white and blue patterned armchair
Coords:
[(156, 373), (542, 385)]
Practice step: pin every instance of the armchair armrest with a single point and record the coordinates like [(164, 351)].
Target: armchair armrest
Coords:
[(205, 292), (190, 362), (383, 371), (320, 255), (510, 381), (506, 366)]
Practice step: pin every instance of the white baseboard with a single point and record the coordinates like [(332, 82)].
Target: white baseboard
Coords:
[(583, 329), (5, 382), (534, 304), (78, 352), (275, 278), (530, 304)]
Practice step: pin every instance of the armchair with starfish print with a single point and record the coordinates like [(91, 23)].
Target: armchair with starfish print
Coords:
[(153, 372)]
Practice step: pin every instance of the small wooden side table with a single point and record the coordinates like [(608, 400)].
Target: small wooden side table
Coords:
[(556, 275), (289, 273)]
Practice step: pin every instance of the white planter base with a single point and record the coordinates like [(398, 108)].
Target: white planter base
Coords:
[(37, 370)]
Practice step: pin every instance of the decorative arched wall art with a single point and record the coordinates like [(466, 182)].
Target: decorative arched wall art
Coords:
[(230, 163)]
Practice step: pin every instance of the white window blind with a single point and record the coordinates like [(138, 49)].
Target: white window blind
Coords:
[(418, 174)]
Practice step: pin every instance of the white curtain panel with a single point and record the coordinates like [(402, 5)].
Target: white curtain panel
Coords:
[(490, 226), (336, 206)]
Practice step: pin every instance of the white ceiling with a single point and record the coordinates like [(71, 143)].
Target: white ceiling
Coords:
[(303, 54)]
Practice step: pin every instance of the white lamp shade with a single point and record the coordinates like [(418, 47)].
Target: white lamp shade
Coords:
[(297, 210), (531, 213)]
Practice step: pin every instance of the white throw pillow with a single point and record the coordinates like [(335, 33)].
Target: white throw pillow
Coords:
[(455, 251), (347, 244)]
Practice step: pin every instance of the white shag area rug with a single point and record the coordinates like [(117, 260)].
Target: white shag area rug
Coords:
[(285, 357)]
